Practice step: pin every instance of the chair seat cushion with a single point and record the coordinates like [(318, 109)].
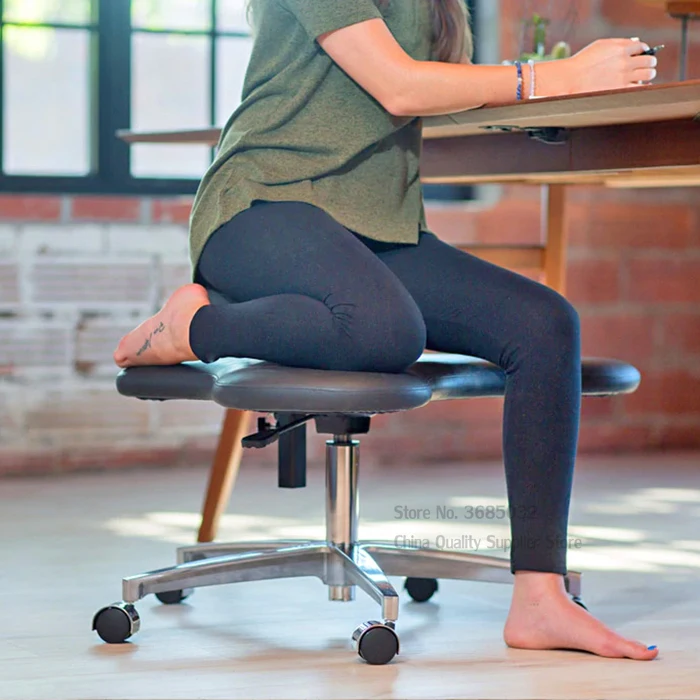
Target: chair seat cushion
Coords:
[(460, 377), (252, 385)]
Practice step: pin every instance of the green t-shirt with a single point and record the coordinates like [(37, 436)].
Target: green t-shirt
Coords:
[(307, 132)]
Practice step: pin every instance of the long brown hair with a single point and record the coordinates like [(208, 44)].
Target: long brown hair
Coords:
[(452, 36)]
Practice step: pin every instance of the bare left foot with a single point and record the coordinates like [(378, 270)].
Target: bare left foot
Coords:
[(164, 339)]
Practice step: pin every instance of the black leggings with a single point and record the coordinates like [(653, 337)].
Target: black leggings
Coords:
[(300, 290)]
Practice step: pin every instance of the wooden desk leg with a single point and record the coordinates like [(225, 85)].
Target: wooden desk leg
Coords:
[(223, 472), (554, 233)]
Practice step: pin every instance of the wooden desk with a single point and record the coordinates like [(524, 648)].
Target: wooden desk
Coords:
[(643, 137)]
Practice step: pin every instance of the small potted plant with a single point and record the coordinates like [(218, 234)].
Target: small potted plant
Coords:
[(539, 26)]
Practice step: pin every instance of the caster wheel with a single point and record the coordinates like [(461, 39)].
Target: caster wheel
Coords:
[(578, 601), (377, 643), (421, 589), (116, 623), (173, 597)]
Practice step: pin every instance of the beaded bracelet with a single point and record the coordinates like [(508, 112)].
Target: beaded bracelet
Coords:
[(519, 67), (533, 78)]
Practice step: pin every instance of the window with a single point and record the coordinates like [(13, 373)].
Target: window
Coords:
[(73, 72), (205, 46), (45, 59)]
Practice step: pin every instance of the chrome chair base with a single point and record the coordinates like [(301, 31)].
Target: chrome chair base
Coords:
[(340, 562)]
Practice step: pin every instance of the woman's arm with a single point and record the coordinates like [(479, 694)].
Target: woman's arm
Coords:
[(369, 53)]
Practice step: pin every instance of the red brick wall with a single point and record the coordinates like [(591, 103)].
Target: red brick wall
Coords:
[(75, 273)]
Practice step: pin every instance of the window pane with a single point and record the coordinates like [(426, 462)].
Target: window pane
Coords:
[(46, 101), (231, 16), (164, 161), (178, 97), (232, 61), (45, 11), (171, 14)]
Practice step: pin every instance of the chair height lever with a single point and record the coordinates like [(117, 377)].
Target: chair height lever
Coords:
[(269, 433)]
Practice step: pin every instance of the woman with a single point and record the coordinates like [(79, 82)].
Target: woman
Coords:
[(309, 231)]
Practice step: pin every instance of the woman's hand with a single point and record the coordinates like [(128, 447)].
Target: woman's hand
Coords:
[(607, 64)]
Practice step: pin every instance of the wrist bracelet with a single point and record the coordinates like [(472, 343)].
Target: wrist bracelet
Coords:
[(519, 92), (533, 78)]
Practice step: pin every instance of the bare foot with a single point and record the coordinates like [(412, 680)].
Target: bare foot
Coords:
[(164, 339), (543, 616)]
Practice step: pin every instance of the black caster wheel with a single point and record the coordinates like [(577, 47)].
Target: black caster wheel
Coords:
[(421, 589), (578, 601), (174, 597), (116, 623), (376, 643)]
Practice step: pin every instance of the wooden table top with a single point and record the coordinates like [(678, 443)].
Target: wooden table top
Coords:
[(650, 120), (653, 103)]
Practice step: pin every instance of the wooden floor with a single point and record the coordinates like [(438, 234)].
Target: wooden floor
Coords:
[(68, 540)]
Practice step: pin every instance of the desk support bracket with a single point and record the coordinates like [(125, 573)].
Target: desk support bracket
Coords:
[(550, 135)]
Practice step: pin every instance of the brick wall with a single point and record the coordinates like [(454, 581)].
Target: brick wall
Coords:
[(77, 272)]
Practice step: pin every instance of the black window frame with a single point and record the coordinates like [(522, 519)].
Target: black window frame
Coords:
[(110, 100)]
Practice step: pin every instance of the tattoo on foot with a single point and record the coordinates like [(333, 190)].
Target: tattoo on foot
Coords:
[(144, 347), (147, 342)]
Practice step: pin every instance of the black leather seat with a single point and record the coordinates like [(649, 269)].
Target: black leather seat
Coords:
[(259, 386)]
